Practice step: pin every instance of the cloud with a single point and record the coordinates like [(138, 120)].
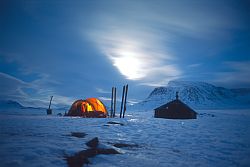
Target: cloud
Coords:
[(107, 100), (237, 75), (137, 55), (35, 93), (11, 87), (104, 98), (196, 19), (100, 90), (194, 65), (133, 101), (44, 83), (139, 42), (137, 36)]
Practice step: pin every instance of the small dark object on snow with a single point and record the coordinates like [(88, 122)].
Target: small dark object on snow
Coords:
[(77, 160), (115, 123), (93, 143), (81, 158), (78, 134), (175, 109), (106, 151), (121, 145), (59, 114), (176, 150), (206, 114)]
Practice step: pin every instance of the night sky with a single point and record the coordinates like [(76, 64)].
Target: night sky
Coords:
[(80, 49)]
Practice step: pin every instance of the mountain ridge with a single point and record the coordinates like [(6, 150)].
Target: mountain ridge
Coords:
[(11, 104), (198, 95)]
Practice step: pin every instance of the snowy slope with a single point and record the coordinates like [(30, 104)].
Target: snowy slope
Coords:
[(6, 105), (199, 95), (11, 107)]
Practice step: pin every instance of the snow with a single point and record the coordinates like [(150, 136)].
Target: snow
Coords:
[(31, 138), (198, 95)]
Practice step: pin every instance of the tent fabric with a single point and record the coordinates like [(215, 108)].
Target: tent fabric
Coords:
[(90, 108), (96, 104)]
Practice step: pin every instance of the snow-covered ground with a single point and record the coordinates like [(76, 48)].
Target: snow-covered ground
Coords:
[(31, 138)]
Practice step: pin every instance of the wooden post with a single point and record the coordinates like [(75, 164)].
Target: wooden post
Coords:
[(114, 101), (111, 108), (49, 111), (50, 101), (125, 101), (123, 90)]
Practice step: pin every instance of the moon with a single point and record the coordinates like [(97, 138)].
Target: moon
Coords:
[(129, 64)]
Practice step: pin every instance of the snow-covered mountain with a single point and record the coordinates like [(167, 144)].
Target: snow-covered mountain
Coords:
[(10, 104), (199, 95)]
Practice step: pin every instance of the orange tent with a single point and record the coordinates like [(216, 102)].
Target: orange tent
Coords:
[(90, 108)]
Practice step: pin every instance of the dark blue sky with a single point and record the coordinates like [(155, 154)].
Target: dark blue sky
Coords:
[(80, 49)]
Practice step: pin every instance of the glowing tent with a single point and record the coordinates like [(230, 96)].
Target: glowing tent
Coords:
[(89, 108)]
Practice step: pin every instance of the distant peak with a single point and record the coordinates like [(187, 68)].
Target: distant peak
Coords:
[(10, 103), (200, 95)]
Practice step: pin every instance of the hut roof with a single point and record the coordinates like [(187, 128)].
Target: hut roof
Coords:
[(175, 104), (175, 109)]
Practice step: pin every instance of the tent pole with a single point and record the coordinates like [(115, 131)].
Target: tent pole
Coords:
[(114, 101), (122, 101), (125, 101), (111, 108)]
